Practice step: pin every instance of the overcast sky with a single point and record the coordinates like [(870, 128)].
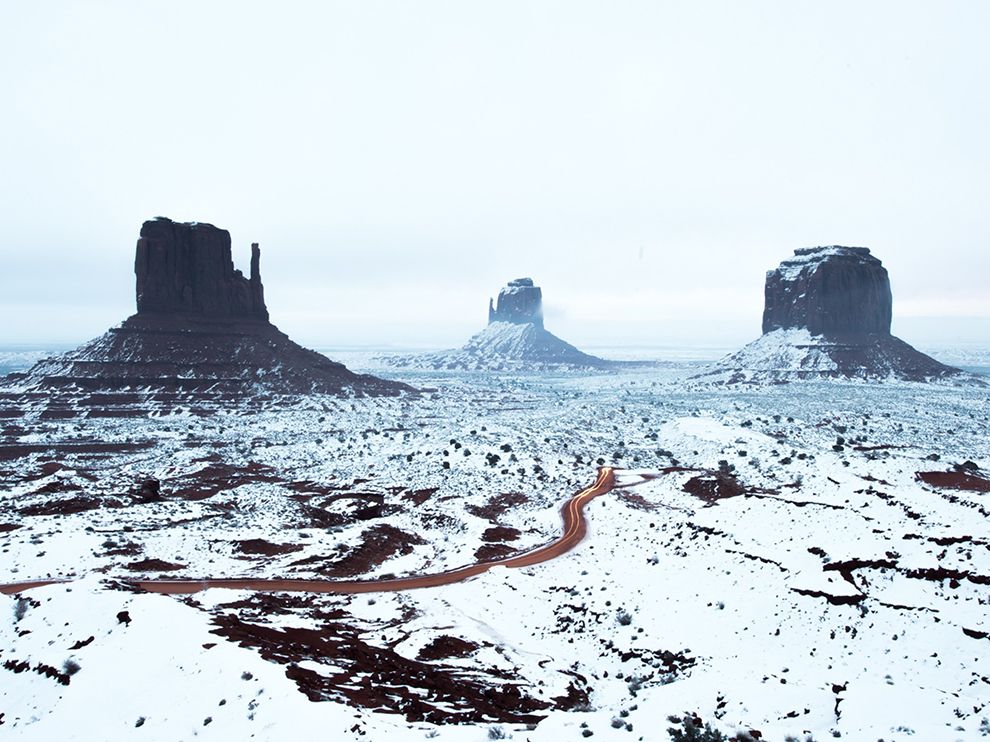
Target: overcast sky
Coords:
[(644, 162)]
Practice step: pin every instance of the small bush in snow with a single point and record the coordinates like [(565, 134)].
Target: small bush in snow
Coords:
[(692, 731), (496, 733), (70, 667), (20, 608)]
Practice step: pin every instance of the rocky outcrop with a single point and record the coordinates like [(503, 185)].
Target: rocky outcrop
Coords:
[(830, 291), (519, 303), (827, 314), (514, 340), (187, 269), (201, 331)]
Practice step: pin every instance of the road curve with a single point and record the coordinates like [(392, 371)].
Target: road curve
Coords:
[(575, 526)]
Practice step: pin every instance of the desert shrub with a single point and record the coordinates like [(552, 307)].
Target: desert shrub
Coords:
[(691, 730)]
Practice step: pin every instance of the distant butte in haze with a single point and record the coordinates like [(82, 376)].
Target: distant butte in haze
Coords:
[(514, 339)]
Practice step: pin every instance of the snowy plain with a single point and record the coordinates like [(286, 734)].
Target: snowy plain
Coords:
[(790, 574)]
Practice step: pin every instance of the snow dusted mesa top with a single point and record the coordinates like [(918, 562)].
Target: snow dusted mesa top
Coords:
[(827, 313), (201, 333), (514, 339)]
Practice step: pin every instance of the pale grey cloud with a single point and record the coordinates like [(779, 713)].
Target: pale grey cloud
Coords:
[(646, 162)]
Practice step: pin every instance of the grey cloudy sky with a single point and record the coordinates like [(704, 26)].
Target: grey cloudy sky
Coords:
[(645, 162)]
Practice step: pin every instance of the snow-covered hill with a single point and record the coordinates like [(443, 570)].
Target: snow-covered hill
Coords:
[(784, 355), (505, 346)]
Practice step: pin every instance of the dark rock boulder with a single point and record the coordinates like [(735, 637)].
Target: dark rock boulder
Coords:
[(829, 291), (520, 303)]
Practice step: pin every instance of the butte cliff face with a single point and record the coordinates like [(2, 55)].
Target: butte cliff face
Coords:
[(827, 313), (514, 340), (201, 332), (519, 303), (188, 269), (830, 291)]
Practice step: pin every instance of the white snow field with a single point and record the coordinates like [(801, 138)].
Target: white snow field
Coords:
[(797, 560)]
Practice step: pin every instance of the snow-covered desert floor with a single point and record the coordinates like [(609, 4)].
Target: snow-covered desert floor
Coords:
[(795, 560)]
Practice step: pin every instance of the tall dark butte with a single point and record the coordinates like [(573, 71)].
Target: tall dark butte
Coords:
[(188, 269), (201, 334)]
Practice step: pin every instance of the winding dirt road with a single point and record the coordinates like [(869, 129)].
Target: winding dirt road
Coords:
[(575, 528)]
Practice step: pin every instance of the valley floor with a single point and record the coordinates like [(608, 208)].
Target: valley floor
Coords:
[(815, 562)]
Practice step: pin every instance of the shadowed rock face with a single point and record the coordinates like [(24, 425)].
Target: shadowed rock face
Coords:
[(201, 332), (520, 303), (187, 269), (831, 291)]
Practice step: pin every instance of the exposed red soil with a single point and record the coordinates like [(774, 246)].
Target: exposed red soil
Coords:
[(445, 647), (55, 486), (956, 480), (639, 502), (220, 477), (62, 449), (266, 548), (574, 529), (358, 671), (833, 599), (500, 533), (42, 669), (4, 527), (58, 413), (418, 497), (46, 470), (672, 662), (498, 505), (115, 549), (493, 552), (954, 576), (62, 507), (378, 544), (848, 566), (154, 565), (714, 487), (309, 487)]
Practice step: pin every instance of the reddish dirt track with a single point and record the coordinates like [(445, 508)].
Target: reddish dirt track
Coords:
[(574, 523)]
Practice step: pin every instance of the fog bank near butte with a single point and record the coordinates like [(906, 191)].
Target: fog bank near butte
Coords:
[(646, 163)]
